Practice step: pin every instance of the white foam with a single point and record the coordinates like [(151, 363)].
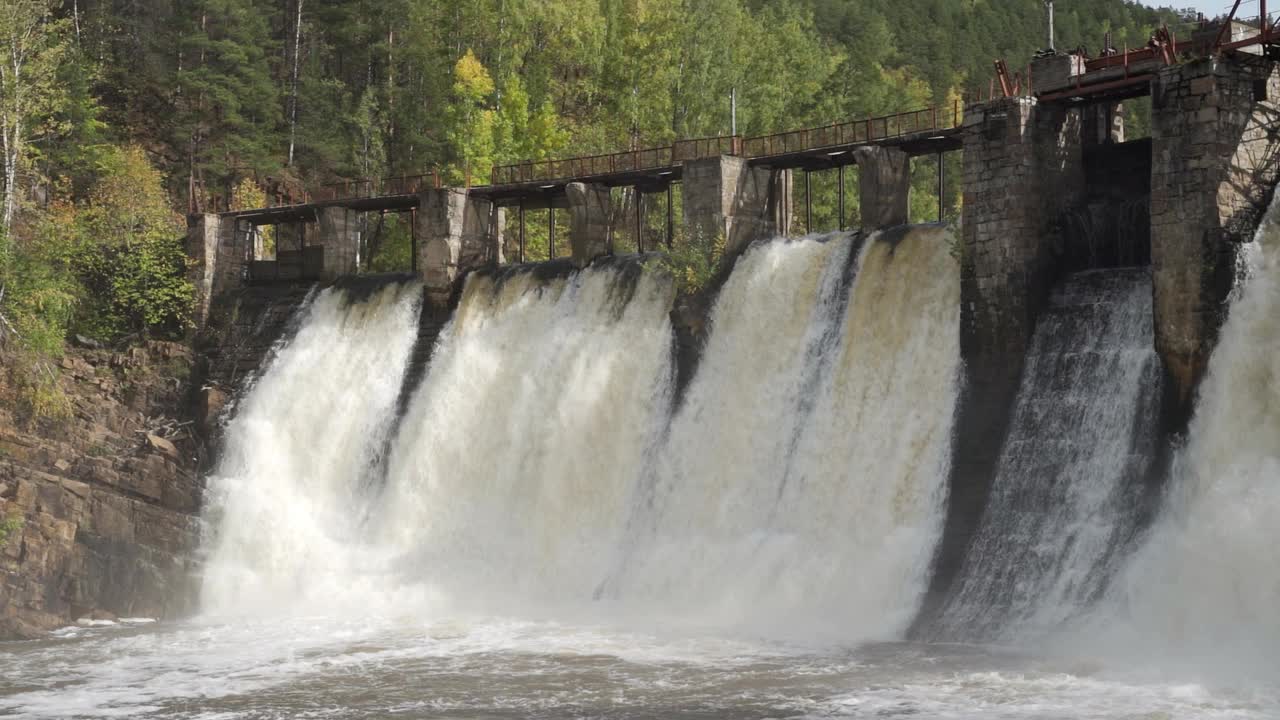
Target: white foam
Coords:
[(1200, 599)]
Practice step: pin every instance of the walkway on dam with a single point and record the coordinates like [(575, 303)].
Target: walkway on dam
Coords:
[(916, 132)]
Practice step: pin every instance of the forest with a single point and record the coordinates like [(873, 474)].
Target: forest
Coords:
[(120, 117)]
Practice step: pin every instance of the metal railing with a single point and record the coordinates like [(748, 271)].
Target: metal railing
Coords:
[(851, 132), (854, 132), (580, 167), (698, 148), (363, 188)]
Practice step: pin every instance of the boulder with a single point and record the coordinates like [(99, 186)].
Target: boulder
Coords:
[(162, 446)]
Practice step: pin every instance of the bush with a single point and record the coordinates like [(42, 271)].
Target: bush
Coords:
[(9, 526), (111, 265), (693, 262), (130, 256)]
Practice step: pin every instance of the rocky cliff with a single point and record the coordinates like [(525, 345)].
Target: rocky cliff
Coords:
[(100, 505)]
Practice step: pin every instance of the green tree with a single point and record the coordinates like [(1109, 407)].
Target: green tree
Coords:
[(471, 121), (129, 253), (228, 105), (32, 45)]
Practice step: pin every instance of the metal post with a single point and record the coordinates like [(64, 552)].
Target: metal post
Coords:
[(733, 111), (413, 240), (551, 230), (840, 195), (671, 223), (941, 185), (808, 204), (521, 248), (1049, 4), (639, 221)]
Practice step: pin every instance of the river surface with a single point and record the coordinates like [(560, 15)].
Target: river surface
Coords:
[(409, 668)]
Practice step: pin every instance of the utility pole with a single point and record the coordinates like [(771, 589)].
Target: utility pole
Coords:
[(1049, 4)]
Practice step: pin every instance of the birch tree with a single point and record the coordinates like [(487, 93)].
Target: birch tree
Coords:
[(32, 44)]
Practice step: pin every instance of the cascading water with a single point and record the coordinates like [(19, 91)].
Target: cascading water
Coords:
[(509, 482), (284, 505), (1204, 587), (1069, 483), (538, 472), (800, 491)]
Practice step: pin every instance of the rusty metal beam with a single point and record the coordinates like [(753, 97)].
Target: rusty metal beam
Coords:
[(1098, 88), (1226, 25), (671, 221)]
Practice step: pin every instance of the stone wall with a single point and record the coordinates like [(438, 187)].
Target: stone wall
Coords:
[(1215, 156), (1023, 167), (106, 498)]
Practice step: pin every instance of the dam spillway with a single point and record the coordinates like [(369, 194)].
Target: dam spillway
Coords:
[(564, 480), (553, 517)]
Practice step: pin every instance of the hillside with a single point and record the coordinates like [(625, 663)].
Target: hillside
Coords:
[(314, 90)]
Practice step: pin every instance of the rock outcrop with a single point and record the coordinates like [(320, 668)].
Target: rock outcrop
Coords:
[(101, 505)]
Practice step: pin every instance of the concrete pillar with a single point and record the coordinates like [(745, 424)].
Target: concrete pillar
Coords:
[(203, 236), (781, 202), (884, 186), (457, 233), (1023, 166), (1215, 155), (589, 211), (339, 235), (726, 200)]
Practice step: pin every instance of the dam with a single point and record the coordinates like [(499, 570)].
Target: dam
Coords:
[(1017, 463)]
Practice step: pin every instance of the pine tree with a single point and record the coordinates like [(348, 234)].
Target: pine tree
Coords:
[(228, 106)]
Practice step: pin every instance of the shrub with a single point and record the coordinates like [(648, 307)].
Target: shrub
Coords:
[(9, 526), (693, 261)]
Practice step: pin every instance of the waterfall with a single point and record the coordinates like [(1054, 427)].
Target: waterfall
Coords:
[(1204, 587), (539, 469), (510, 480), (284, 505), (800, 492), (1068, 488)]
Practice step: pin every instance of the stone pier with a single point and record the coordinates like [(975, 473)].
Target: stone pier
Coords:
[(457, 233), (884, 186), (1215, 126), (725, 198), (1023, 166), (339, 235), (589, 229), (217, 255)]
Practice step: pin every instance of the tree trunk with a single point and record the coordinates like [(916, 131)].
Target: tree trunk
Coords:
[(293, 86)]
